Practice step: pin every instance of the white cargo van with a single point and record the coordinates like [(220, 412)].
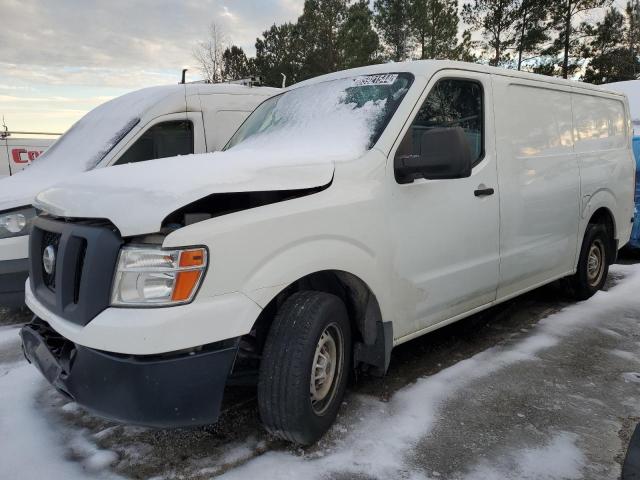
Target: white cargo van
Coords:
[(17, 153), (349, 214), (147, 124)]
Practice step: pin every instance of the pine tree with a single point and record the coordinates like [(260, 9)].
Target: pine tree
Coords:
[(632, 12), (567, 44), (358, 42), (319, 25), (531, 27), (496, 19), (434, 25), (465, 48), (392, 20), (235, 64), (278, 53), (611, 57)]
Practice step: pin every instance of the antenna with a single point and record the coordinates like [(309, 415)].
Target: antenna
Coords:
[(184, 75), (5, 131), (284, 80)]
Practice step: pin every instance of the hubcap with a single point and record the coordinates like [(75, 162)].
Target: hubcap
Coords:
[(326, 368), (595, 263)]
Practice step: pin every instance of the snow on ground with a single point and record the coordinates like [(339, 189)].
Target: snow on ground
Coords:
[(372, 438), (8, 335), (31, 449), (559, 459)]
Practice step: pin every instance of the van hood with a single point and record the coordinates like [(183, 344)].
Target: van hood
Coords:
[(136, 198), (20, 189)]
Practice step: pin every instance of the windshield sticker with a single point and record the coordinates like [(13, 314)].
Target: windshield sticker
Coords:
[(382, 79)]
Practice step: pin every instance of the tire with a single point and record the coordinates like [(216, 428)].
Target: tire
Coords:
[(290, 407), (593, 264)]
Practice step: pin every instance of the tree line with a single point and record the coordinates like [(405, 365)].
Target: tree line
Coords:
[(594, 40)]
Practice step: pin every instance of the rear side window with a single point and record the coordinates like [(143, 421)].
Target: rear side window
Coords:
[(599, 123), (452, 103), (545, 129), (166, 139)]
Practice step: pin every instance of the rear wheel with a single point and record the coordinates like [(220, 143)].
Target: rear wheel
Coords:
[(304, 367), (593, 264)]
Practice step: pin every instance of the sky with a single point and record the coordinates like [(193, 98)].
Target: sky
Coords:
[(59, 59)]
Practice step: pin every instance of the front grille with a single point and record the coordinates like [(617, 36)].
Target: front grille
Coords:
[(79, 287), (53, 239)]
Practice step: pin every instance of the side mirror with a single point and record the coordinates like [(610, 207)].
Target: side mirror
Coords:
[(444, 153)]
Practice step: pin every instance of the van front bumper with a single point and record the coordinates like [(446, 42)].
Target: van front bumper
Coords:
[(169, 390), (13, 274)]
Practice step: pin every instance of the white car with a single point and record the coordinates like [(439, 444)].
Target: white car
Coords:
[(147, 124), (347, 215)]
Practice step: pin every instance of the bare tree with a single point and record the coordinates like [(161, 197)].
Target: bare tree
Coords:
[(209, 53)]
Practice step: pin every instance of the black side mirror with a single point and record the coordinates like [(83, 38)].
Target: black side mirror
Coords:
[(445, 153)]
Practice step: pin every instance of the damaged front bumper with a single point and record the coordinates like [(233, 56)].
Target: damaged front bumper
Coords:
[(169, 390)]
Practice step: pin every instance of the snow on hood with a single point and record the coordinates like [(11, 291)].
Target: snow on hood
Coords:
[(138, 197), (82, 147), (290, 142)]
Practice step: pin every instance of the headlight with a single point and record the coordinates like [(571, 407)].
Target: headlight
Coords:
[(148, 276), (16, 222)]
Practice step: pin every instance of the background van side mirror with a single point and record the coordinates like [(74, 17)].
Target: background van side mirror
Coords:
[(445, 153)]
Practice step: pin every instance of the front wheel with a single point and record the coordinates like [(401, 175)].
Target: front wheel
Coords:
[(593, 264), (304, 367)]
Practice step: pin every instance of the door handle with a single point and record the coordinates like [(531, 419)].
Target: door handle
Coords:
[(483, 192)]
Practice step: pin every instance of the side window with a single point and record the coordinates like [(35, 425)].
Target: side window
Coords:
[(451, 103), (166, 139)]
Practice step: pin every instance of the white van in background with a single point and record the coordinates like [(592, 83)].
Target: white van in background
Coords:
[(350, 214), (148, 124), (18, 153)]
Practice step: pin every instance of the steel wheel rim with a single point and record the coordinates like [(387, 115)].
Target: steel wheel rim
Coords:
[(595, 263), (326, 368)]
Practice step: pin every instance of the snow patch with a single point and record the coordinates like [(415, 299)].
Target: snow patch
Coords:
[(31, 449), (629, 356), (9, 335), (91, 457), (71, 407), (631, 377), (561, 458)]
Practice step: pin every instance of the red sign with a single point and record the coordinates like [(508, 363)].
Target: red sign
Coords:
[(22, 155)]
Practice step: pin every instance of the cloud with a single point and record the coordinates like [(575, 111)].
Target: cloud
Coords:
[(93, 48), (152, 34)]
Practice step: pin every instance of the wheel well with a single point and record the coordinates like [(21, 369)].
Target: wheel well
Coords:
[(603, 216), (362, 305)]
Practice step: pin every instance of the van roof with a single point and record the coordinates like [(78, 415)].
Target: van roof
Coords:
[(228, 89), (208, 88), (429, 67), (172, 97)]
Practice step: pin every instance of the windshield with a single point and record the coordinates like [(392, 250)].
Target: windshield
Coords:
[(92, 137), (337, 117)]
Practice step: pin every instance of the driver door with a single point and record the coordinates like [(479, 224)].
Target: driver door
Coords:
[(446, 232)]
